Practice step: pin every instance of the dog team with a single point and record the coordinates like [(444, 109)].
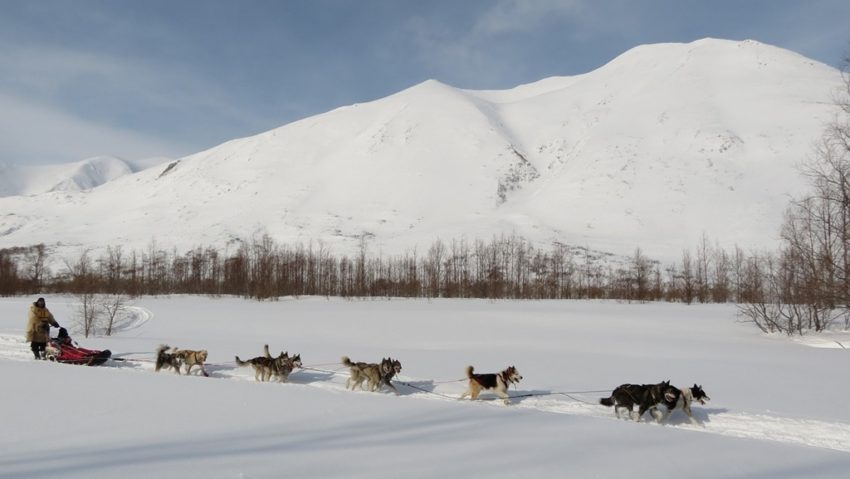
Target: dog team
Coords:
[(648, 397)]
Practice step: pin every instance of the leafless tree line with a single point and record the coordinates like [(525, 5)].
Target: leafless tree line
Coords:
[(505, 267), (802, 287)]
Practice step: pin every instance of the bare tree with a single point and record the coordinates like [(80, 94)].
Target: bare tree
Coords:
[(35, 258), (721, 289), (83, 283), (641, 268), (88, 313), (701, 277), (687, 281), (113, 306), (809, 285), (434, 268)]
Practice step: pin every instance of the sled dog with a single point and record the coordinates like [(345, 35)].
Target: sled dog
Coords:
[(389, 368), (646, 396), (498, 383), (374, 374), (286, 367), (686, 398), (265, 366), (191, 358), (360, 372), (166, 359)]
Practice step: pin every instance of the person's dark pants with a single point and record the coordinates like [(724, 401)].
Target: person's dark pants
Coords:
[(38, 349)]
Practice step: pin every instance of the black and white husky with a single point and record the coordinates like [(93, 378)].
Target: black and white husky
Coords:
[(686, 398), (166, 358), (648, 397), (498, 383)]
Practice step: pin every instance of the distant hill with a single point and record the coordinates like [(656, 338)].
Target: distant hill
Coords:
[(18, 180)]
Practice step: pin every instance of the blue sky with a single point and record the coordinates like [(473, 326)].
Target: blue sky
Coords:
[(137, 79)]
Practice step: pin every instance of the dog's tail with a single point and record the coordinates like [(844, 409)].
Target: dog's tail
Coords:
[(162, 348), (469, 371), (609, 401), (266, 351), (346, 361), (240, 362)]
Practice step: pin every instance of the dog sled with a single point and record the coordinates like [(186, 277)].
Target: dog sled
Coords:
[(62, 349)]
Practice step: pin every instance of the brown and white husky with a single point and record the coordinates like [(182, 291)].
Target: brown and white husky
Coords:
[(498, 383)]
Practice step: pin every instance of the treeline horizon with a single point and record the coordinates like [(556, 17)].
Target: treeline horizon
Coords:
[(505, 267)]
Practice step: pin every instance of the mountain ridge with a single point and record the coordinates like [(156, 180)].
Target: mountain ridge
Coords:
[(661, 145)]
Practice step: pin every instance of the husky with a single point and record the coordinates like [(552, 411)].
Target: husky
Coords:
[(360, 372), (191, 358), (389, 369), (686, 398), (265, 366), (166, 359), (498, 383), (647, 396), (374, 374), (286, 367)]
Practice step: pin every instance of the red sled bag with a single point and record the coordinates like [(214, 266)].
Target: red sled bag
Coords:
[(62, 349)]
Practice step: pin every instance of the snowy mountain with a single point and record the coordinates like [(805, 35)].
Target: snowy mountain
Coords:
[(82, 175), (663, 144)]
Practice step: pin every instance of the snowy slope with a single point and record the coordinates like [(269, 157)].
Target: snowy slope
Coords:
[(777, 409), (661, 145), (16, 180)]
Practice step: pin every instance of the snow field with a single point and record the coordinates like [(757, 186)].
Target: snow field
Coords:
[(776, 410)]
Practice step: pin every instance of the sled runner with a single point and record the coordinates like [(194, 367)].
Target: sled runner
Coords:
[(62, 349)]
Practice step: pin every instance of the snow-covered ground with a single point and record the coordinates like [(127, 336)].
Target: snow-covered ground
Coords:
[(778, 409)]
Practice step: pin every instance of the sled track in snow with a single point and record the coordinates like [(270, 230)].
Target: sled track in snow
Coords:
[(806, 432), (134, 317), (803, 432)]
